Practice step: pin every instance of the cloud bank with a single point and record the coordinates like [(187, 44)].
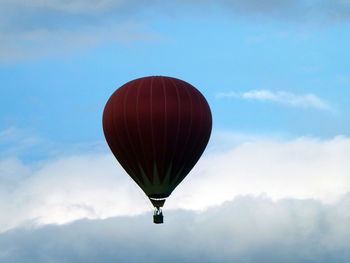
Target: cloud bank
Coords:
[(92, 185), (248, 229), (282, 97)]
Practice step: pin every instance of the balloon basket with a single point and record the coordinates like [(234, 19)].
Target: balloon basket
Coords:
[(158, 217)]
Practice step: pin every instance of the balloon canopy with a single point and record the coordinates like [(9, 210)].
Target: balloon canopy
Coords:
[(157, 128)]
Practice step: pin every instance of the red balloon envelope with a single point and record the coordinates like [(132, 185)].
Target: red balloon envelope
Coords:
[(157, 127)]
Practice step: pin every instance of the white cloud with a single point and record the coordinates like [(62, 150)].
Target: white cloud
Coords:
[(92, 185), (14, 141), (63, 190), (303, 100), (299, 168)]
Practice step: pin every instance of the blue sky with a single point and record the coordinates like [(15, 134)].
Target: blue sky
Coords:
[(275, 73), (58, 91)]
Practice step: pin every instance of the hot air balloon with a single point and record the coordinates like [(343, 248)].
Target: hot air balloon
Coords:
[(157, 128)]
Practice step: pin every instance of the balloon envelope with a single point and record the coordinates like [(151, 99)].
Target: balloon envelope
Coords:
[(157, 127)]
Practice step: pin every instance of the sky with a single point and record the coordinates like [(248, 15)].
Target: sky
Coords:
[(274, 182)]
